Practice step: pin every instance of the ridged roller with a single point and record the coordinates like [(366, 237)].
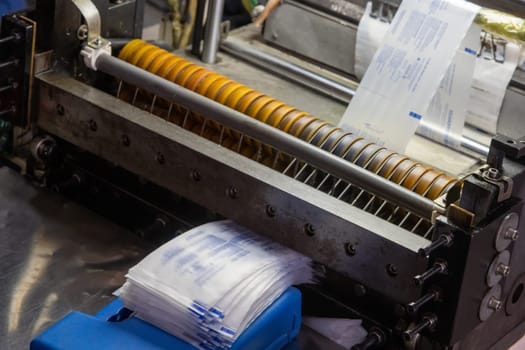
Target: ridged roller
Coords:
[(393, 166)]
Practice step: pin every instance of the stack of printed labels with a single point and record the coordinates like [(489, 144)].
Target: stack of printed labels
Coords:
[(209, 284)]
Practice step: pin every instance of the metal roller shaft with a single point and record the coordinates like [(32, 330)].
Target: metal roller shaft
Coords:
[(395, 167)]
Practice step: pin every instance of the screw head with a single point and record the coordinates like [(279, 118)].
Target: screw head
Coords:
[(391, 270), (232, 192), (93, 125), (60, 109), (125, 140), (309, 229), (493, 173), (159, 157), (82, 32)]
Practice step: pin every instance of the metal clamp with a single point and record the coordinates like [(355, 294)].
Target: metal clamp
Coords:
[(92, 17), (505, 184), (96, 45)]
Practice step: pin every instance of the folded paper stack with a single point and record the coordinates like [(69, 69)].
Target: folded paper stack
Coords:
[(209, 284)]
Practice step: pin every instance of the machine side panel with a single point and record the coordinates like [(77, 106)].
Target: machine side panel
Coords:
[(303, 218), (319, 37)]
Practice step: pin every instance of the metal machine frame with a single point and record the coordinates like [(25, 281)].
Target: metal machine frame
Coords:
[(413, 292)]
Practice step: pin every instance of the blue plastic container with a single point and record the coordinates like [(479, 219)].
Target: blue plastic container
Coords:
[(272, 330), (7, 6)]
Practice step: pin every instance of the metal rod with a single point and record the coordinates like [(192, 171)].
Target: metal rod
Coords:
[(317, 157), (198, 28), (212, 36), (318, 83), (9, 110), (13, 85), (290, 71), (7, 39), (428, 321), (438, 268), (444, 240), (414, 306), (9, 63), (375, 338)]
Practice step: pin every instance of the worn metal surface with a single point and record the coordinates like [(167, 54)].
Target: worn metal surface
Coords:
[(55, 256), (511, 123), (313, 34), (296, 205)]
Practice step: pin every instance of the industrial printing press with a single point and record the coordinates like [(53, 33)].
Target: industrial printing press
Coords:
[(427, 249)]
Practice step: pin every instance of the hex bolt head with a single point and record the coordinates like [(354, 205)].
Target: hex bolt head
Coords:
[(503, 270), (511, 234), (495, 304), (493, 174)]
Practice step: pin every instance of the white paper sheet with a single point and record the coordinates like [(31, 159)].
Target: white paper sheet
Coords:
[(405, 73), (445, 117), (489, 86), (345, 332), (209, 284), (370, 35)]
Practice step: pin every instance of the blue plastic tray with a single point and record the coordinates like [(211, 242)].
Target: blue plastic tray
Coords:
[(272, 330)]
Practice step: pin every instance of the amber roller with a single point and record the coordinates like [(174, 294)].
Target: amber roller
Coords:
[(395, 167)]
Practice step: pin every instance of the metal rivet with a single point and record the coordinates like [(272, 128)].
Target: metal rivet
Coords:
[(270, 211), (159, 157), (350, 249), (391, 270), (309, 229)]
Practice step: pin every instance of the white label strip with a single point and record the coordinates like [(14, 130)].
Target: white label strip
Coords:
[(407, 70), (445, 117)]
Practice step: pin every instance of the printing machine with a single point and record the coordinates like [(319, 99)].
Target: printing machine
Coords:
[(428, 259)]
